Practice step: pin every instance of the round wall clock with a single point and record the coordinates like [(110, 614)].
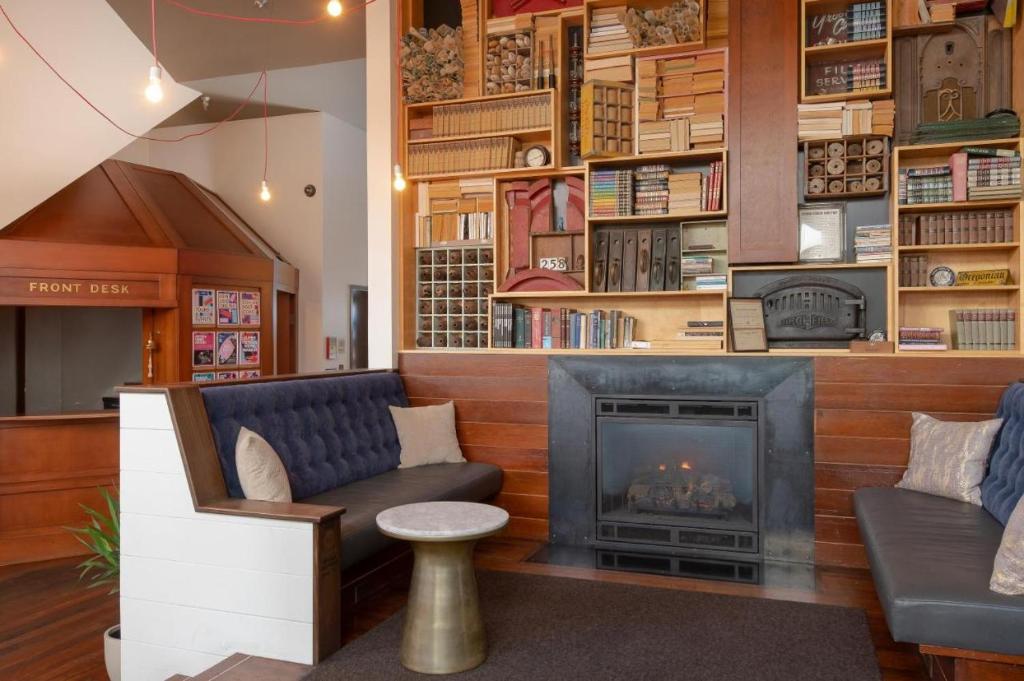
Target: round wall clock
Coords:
[(537, 156), (942, 276)]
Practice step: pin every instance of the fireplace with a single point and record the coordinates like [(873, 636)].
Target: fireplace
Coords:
[(677, 474), (686, 466)]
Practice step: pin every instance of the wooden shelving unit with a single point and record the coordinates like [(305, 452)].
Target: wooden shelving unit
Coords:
[(840, 52), (922, 306)]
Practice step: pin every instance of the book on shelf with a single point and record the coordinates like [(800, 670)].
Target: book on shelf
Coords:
[(444, 158), (921, 338), (711, 282), (479, 118), (518, 326), (873, 243), (833, 120), (984, 329), (927, 184), (678, 344), (913, 271), (607, 31), (957, 227)]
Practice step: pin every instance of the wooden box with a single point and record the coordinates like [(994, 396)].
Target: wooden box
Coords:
[(846, 168), (606, 119)]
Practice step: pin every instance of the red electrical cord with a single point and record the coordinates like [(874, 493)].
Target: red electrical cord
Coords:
[(261, 20), (266, 128), (262, 79), (152, 29)]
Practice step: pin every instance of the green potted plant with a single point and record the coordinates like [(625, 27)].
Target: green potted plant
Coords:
[(102, 536)]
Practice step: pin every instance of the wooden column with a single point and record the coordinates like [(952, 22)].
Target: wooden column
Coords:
[(763, 40)]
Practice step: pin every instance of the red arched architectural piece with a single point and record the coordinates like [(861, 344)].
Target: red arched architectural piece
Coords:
[(536, 279)]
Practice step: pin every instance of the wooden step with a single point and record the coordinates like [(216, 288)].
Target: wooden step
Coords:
[(240, 667)]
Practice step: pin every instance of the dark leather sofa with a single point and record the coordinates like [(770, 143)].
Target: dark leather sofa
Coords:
[(338, 443), (931, 557)]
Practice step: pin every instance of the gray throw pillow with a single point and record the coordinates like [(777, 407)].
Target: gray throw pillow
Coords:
[(947, 458), (260, 471), (1008, 571), (427, 435)]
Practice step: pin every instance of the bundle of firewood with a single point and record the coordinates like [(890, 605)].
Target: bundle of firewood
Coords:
[(432, 65), (680, 22)]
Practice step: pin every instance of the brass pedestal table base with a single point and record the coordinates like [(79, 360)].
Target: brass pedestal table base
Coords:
[(443, 631)]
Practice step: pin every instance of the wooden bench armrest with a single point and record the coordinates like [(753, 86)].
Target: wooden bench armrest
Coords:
[(276, 510)]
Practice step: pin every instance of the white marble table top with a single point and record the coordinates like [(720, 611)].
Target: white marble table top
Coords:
[(441, 521)]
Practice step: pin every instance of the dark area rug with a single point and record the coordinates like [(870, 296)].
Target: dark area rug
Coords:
[(548, 628)]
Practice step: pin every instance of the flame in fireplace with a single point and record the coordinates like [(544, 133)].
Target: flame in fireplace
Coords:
[(685, 465)]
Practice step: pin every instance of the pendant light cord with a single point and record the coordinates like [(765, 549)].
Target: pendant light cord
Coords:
[(261, 20)]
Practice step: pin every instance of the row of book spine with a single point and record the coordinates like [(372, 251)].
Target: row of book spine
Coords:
[(518, 326), (984, 330), (504, 115), (866, 21), (446, 227), (443, 158), (655, 190), (957, 227)]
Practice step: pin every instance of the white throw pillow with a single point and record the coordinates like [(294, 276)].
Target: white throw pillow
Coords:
[(947, 458), (427, 435), (1008, 571), (260, 470)]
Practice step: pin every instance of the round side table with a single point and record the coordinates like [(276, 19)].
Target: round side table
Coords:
[(443, 631)]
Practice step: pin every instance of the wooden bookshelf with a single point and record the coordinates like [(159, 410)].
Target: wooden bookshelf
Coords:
[(843, 52), (922, 306)]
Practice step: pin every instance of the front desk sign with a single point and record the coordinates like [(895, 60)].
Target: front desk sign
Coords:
[(102, 291)]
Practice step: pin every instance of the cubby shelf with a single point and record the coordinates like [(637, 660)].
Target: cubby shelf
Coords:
[(848, 47), (957, 289), (956, 205), (667, 217), (926, 248)]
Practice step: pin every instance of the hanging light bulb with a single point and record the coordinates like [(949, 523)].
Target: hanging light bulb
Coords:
[(155, 89), (334, 8), (264, 191), (399, 181)]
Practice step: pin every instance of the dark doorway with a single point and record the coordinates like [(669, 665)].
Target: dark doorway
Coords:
[(358, 314)]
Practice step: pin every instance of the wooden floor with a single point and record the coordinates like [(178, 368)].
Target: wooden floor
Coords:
[(51, 625)]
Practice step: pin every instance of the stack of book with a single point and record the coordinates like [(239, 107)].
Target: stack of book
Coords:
[(611, 192), (711, 199), (1003, 126), (707, 129), (873, 243), (865, 21), (710, 282), (957, 227), (984, 329), (610, 68), (832, 120), (696, 264), (883, 117), (820, 121), (517, 326), (913, 271), (921, 338), (607, 32), (651, 189), (685, 192), (992, 175), (703, 335), (664, 136), (928, 184), (421, 128)]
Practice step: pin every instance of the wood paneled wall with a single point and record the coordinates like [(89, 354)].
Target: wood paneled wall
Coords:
[(48, 466), (862, 425), (501, 406), (862, 428)]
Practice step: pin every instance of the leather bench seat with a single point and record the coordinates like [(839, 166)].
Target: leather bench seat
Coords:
[(364, 499), (931, 559)]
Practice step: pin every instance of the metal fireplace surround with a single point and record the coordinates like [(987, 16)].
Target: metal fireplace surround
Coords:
[(771, 398)]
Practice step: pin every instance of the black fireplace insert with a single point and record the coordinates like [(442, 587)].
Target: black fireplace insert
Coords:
[(678, 474)]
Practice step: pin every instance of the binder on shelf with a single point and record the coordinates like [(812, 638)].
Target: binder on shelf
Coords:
[(600, 261), (615, 260), (672, 264), (643, 260), (658, 238), (629, 244)]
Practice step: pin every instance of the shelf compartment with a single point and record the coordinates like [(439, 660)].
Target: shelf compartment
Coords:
[(924, 248), (956, 290)]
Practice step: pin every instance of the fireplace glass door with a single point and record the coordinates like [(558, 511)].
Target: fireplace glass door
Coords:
[(683, 472)]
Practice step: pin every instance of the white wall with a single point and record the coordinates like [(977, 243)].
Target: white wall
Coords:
[(318, 235), (382, 223), (48, 135)]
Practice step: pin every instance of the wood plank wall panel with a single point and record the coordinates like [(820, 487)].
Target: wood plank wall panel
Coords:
[(47, 468), (863, 410), (862, 419), (501, 412)]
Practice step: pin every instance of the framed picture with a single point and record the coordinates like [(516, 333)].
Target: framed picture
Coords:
[(249, 347), (823, 232), (204, 311), (249, 308), (202, 348), (746, 325), (227, 348), (202, 376), (227, 308)]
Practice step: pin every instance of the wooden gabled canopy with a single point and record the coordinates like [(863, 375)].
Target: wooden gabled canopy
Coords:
[(127, 221)]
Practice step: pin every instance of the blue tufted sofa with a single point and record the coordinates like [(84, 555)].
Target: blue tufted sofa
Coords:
[(338, 443), (931, 557)]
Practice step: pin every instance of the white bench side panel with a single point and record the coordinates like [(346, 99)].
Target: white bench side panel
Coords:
[(198, 587)]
